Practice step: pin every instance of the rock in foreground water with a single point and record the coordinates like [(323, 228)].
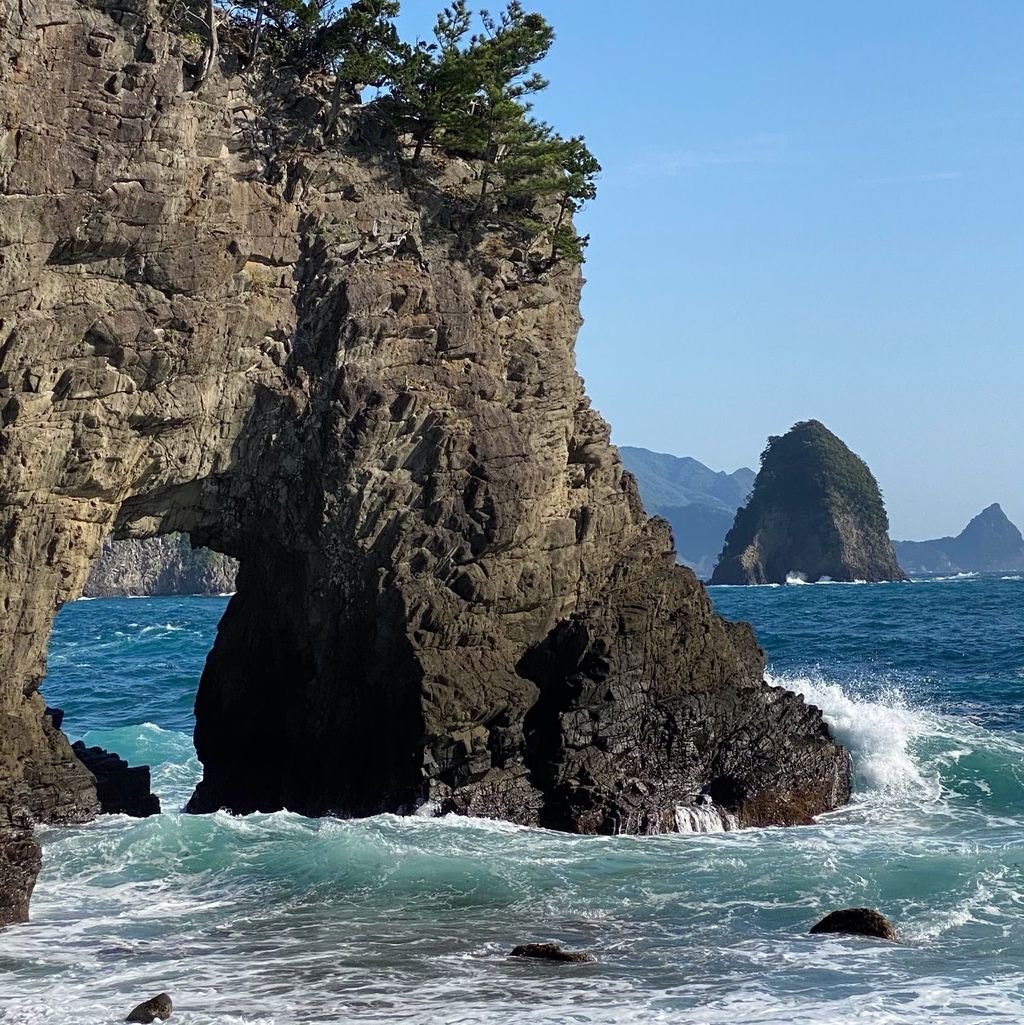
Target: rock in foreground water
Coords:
[(157, 1008), (550, 952), (857, 922)]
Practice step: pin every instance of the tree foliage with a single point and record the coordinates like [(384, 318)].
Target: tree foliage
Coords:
[(464, 92)]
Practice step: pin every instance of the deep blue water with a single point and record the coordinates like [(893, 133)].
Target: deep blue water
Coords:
[(279, 919)]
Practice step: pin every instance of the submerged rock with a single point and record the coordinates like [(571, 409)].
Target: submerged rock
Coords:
[(122, 789), (550, 952), (857, 922), (815, 513), (157, 1008)]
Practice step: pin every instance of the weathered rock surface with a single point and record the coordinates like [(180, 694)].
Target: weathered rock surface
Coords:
[(550, 952), (857, 922), (990, 543), (815, 511), (20, 861), (448, 591), (159, 566), (157, 1008)]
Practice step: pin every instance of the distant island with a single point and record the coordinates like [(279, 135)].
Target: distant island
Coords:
[(815, 512), (698, 502), (990, 543)]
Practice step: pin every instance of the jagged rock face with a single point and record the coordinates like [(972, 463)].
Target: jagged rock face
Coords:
[(990, 543), (159, 566), (815, 511), (448, 590)]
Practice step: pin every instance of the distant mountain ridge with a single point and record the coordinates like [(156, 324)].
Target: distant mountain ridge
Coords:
[(990, 543), (698, 502)]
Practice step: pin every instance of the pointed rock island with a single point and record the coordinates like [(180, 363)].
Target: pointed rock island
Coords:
[(990, 543), (815, 512)]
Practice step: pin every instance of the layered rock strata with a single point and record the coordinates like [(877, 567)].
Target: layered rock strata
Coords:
[(296, 352), (815, 512)]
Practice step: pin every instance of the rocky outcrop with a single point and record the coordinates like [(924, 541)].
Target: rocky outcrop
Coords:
[(121, 789), (815, 512), (157, 1008), (20, 861), (990, 543), (218, 322), (159, 566)]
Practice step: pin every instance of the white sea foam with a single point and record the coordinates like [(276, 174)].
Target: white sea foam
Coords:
[(795, 577), (879, 733), (704, 818)]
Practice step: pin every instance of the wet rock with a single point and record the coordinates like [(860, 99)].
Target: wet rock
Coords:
[(857, 922), (157, 1008), (122, 789), (20, 859), (550, 952)]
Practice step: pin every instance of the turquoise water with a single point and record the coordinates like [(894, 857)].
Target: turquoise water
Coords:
[(280, 919)]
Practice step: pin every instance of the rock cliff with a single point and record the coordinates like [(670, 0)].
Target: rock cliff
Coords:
[(815, 511), (159, 565), (990, 543), (217, 322), (699, 503)]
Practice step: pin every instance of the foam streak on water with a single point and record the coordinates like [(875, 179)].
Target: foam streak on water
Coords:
[(276, 919)]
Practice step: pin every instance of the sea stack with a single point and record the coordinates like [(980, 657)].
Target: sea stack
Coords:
[(815, 512), (449, 595)]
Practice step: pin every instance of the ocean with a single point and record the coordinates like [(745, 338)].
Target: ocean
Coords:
[(280, 919)]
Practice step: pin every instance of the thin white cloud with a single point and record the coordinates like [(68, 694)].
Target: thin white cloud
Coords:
[(914, 179), (760, 148)]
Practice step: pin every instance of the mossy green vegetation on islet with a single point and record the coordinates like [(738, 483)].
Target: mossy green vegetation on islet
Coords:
[(815, 511)]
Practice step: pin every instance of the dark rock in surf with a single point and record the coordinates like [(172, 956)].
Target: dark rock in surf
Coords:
[(157, 1008), (122, 789), (857, 922), (20, 860), (550, 952)]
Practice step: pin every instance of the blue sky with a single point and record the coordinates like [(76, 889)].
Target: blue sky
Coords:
[(807, 209)]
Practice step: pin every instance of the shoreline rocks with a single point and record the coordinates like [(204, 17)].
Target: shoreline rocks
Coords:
[(122, 789), (20, 861), (155, 566)]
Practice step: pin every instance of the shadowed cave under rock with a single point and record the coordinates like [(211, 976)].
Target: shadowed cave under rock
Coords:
[(448, 590)]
